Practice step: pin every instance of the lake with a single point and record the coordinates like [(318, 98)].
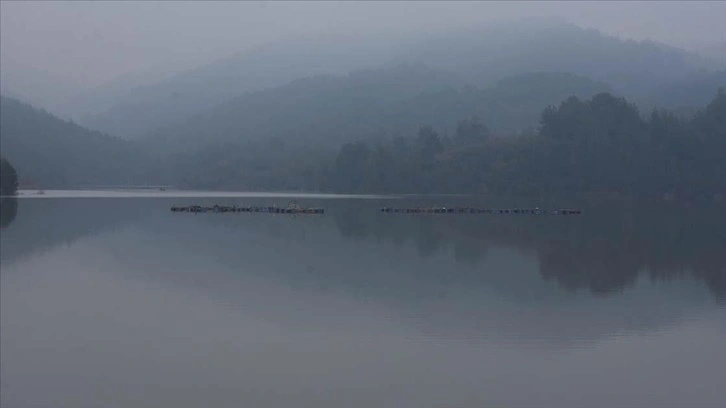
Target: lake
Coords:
[(108, 299)]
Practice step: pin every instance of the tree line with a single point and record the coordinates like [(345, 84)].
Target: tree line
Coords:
[(601, 145)]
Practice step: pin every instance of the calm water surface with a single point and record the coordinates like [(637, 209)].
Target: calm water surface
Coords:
[(117, 302)]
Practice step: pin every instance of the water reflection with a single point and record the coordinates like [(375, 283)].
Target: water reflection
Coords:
[(519, 278), (121, 303), (40, 224), (604, 251), (8, 210)]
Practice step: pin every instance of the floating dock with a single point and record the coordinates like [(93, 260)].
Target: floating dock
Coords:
[(294, 209), (237, 209), (469, 210)]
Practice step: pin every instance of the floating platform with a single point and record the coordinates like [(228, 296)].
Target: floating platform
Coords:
[(469, 210), (237, 209), (293, 209)]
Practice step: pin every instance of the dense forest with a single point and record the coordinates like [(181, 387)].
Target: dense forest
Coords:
[(600, 145)]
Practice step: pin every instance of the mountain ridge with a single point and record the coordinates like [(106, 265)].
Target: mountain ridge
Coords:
[(476, 56)]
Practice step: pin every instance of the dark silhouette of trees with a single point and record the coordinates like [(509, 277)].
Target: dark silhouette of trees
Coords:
[(8, 178), (471, 131), (8, 188), (598, 146)]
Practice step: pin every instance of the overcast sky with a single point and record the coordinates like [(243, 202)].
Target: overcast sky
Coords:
[(88, 43)]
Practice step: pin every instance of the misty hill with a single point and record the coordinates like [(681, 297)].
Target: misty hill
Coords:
[(36, 86), (511, 105), (48, 151), (329, 110), (716, 53), (308, 110), (686, 94), (490, 53), (477, 57), (145, 108)]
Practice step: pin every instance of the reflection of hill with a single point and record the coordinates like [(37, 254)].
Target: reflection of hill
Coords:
[(42, 223)]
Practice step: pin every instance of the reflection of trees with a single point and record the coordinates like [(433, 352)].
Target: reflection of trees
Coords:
[(599, 265), (604, 251), (45, 223), (8, 210)]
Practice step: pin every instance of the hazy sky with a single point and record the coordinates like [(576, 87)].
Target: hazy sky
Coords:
[(87, 43)]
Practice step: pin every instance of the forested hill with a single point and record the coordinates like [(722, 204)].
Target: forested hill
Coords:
[(489, 53), (600, 145), (477, 57), (330, 110), (185, 94), (51, 152)]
